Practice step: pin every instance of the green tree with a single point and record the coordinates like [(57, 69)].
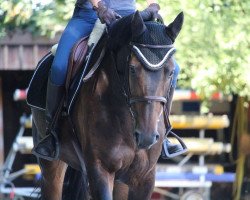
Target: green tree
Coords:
[(37, 18), (214, 45)]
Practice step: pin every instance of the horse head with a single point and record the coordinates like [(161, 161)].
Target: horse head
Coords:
[(146, 70)]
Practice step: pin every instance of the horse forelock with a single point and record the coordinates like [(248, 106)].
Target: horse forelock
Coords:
[(120, 32)]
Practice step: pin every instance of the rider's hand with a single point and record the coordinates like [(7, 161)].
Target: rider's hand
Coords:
[(151, 12), (105, 14)]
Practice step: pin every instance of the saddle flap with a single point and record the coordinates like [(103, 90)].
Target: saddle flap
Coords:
[(77, 69), (76, 60)]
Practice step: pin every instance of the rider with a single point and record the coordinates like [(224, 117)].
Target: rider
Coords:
[(80, 25)]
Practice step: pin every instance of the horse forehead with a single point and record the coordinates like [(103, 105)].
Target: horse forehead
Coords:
[(147, 76)]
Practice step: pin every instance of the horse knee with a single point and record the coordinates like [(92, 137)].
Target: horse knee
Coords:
[(120, 191)]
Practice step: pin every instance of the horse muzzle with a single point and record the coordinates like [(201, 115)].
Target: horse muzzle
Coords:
[(146, 141)]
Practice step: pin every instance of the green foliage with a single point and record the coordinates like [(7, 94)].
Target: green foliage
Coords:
[(213, 47), (37, 18)]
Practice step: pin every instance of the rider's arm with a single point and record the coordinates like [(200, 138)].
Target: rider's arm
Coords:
[(151, 12), (94, 2), (105, 14)]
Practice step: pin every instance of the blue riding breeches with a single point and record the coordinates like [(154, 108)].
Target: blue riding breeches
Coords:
[(80, 25), (175, 75)]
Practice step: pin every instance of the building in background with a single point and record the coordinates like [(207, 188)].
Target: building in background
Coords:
[(19, 55)]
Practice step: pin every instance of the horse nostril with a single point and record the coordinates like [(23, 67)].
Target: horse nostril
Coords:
[(137, 137), (157, 137)]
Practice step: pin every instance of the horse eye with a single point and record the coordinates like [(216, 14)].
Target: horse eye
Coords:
[(171, 73), (132, 69)]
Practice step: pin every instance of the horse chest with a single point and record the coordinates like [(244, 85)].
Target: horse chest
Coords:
[(116, 158)]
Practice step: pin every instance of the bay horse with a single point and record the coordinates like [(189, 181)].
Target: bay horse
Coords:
[(118, 118)]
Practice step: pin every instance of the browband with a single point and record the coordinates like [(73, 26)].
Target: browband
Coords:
[(157, 66)]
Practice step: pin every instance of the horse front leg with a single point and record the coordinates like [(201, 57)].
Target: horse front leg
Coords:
[(143, 188), (52, 179), (101, 182), (120, 191)]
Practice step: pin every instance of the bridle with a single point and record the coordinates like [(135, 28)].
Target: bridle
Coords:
[(149, 99), (162, 99)]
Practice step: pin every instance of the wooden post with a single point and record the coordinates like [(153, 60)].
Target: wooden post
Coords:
[(36, 58), (20, 57), (246, 149), (1, 126), (5, 56)]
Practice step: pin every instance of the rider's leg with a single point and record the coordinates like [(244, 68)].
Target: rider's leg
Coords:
[(173, 85), (79, 26), (172, 148)]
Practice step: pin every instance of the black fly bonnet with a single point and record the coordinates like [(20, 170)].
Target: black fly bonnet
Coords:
[(153, 50)]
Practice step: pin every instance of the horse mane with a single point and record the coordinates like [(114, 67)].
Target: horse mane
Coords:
[(119, 33)]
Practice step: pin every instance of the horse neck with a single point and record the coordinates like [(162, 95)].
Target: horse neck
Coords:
[(101, 111), (109, 83), (102, 99), (105, 87)]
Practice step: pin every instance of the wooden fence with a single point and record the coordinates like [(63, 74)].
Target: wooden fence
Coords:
[(22, 51), (19, 51)]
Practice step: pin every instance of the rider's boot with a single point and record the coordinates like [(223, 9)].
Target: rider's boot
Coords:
[(169, 149), (48, 147)]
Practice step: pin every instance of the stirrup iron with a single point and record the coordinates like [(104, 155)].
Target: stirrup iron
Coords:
[(166, 154)]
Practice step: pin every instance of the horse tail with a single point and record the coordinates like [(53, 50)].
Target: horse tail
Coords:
[(75, 185)]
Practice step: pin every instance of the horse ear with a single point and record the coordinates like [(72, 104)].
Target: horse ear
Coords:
[(174, 28), (137, 25)]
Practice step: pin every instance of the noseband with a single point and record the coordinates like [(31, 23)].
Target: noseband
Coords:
[(151, 99), (148, 99)]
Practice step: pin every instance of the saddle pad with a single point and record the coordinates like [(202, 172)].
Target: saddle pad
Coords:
[(36, 96), (37, 89)]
